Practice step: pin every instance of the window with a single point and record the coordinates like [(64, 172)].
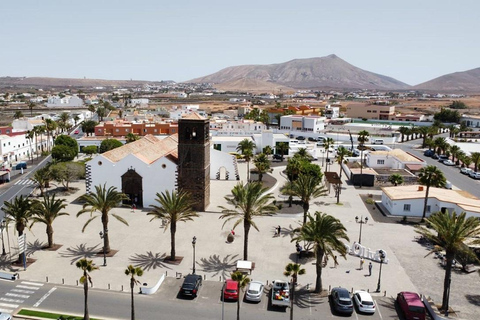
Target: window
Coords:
[(380, 161), (117, 130), (428, 208), (406, 207)]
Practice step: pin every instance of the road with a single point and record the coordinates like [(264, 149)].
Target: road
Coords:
[(166, 304)]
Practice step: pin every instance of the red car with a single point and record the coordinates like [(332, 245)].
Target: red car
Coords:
[(411, 305), (230, 291), (76, 131)]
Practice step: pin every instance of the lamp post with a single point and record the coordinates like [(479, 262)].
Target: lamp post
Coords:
[(2, 226), (194, 241), (102, 236), (361, 221), (382, 258)]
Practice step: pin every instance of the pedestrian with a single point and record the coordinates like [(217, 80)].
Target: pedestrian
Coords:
[(133, 207), (279, 229), (362, 261), (232, 232), (335, 262), (370, 266)]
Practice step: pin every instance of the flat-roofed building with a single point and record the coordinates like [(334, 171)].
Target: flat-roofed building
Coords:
[(370, 111)]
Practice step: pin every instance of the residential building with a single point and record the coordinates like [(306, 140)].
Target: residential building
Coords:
[(370, 111), (331, 112), (471, 120), (394, 159), (296, 123), (236, 128), (67, 101), (120, 128)]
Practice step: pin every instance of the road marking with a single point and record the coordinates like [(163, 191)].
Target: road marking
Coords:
[(44, 297), (23, 291), (378, 309), (9, 305), (17, 295), (6, 310), (32, 283), (12, 300), (27, 287)]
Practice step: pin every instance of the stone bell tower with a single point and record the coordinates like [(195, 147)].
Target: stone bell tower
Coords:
[(194, 159)]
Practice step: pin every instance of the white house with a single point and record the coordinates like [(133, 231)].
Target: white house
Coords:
[(332, 112), (67, 101), (393, 159), (408, 200), (139, 101), (471, 120), (17, 147), (299, 123), (236, 128), (178, 113)]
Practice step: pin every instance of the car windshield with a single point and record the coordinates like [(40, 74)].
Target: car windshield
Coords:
[(253, 291), (416, 309)]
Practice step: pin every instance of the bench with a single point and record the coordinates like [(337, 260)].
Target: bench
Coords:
[(152, 290)]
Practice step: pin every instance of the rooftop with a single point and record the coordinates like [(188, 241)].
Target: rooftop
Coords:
[(399, 154)]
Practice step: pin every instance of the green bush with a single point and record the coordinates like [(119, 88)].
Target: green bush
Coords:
[(370, 201)]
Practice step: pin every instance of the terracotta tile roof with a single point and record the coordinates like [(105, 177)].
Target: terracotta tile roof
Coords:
[(148, 149)]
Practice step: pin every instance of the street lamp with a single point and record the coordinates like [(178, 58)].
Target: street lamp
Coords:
[(2, 226), (102, 236), (361, 221), (194, 241), (382, 258)]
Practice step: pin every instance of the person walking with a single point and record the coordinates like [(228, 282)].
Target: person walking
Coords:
[(362, 261), (335, 262), (279, 229), (370, 266)]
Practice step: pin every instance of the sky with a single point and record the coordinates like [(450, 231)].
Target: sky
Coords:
[(412, 41)]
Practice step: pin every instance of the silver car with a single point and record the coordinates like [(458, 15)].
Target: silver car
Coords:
[(5, 316), (254, 291)]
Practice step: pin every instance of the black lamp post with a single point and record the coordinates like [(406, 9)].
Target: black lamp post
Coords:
[(2, 226), (382, 258), (102, 236), (194, 241), (361, 221)]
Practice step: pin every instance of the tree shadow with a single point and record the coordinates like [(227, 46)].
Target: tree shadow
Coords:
[(149, 260), (80, 251), (33, 247), (6, 264), (218, 266), (305, 298), (473, 299)]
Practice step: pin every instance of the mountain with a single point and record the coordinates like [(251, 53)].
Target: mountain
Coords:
[(466, 81), (67, 82), (325, 72), (252, 85)]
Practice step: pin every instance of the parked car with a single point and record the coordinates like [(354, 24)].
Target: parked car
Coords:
[(475, 175), (76, 131), (364, 301), (312, 139), (254, 291), (191, 284), (230, 291), (5, 316), (466, 170), (411, 305), (442, 158), (21, 165), (277, 157), (448, 162), (435, 156), (300, 138), (428, 153), (341, 301)]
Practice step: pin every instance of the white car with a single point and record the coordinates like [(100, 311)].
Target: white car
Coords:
[(364, 302), (5, 316), (466, 170), (448, 163), (475, 175), (254, 291)]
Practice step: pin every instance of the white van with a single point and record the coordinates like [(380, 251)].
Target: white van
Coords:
[(377, 141)]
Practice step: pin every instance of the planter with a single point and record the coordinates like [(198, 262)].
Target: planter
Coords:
[(230, 238)]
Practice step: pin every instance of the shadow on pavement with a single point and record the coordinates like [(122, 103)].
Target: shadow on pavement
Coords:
[(80, 251), (473, 299), (218, 266), (306, 298), (149, 260), (33, 247)]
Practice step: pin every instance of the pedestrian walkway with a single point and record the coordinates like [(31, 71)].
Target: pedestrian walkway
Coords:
[(24, 182), (16, 296)]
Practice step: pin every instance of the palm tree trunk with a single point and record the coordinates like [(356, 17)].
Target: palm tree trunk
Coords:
[(246, 226), (50, 235), (173, 229), (248, 170), (238, 306), (106, 240), (447, 280), (132, 284), (318, 267), (425, 203), (292, 296), (306, 206), (86, 316)]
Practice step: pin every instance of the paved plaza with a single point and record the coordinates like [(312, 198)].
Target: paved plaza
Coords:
[(146, 244)]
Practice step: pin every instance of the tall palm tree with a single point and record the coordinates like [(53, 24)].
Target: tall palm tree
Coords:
[(466, 161), (294, 270), (30, 135), (262, 163), (282, 148), (87, 267), (342, 153), (174, 207), (395, 179), (41, 131), (403, 131), (424, 134), (102, 200), (46, 211), (31, 105), (50, 126), (133, 272), (268, 150), (302, 153), (454, 151), (249, 200), (362, 139), (307, 187), (286, 190), (294, 168), (246, 148), (430, 176), (449, 231), (441, 145), (18, 212), (325, 233), (327, 143), (243, 280), (18, 114), (475, 157), (76, 118)]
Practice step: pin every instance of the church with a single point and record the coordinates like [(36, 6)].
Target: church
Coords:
[(151, 165)]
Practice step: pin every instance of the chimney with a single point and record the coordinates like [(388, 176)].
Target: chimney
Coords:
[(420, 188)]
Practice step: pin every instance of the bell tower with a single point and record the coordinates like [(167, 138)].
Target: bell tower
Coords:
[(194, 159)]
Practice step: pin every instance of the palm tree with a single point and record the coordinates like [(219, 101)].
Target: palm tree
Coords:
[(63, 120), (87, 267), (466, 161), (395, 179), (449, 233), (424, 134), (91, 108), (131, 137), (76, 118), (30, 135), (286, 190), (454, 151), (307, 187), (174, 207), (475, 157), (249, 200), (18, 212), (403, 131), (294, 167), (342, 153), (102, 200), (46, 212), (42, 178), (246, 147), (441, 145), (41, 131), (326, 233), (268, 150), (430, 176), (262, 164), (302, 153), (362, 138), (18, 114), (31, 105), (132, 272), (282, 148), (50, 126), (243, 280), (327, 143), (294, 270)]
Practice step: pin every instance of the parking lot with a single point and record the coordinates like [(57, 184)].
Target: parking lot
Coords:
[(308, 305)]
